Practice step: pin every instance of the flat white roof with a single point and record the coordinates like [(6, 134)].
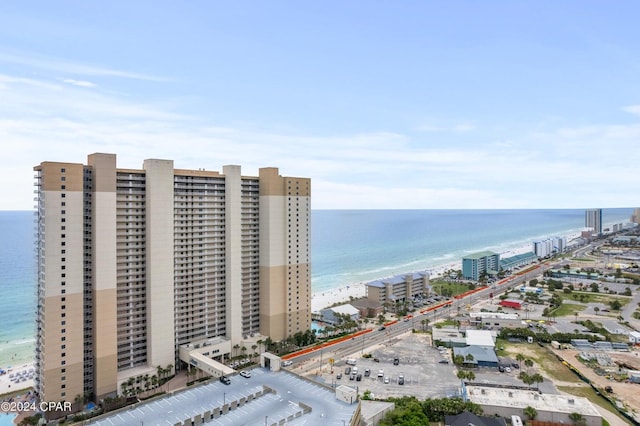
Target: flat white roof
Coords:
[(479, 338), (345, 309), (500, 315), (516, 398)]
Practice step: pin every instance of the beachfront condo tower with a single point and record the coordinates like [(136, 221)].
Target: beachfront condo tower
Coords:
[(476, 265), (593, 220), (148, 270)]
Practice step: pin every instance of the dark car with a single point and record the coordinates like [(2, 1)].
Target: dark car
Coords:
[(367, 372), (376, 360), (352, 377), (339, 376), (359, 377), (501, 369), (401, 380), (443, 361), (515, 365), (225, 380), (347, 370), (396, 361), (383, 328)]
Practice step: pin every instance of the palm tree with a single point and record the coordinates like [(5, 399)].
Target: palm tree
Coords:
[(236, 347), (537, 378), (254, 347), (530, 412), (596, 309), (243, 350), (528, 363), (123, 385), (469, 358), (260, 342), (160, 371), (577, 418)]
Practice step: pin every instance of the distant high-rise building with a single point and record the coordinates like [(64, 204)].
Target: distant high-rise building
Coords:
[(635, 217), (549, 246), (593, 220), (137, 269)]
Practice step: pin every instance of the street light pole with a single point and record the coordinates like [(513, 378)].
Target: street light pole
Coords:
[(224, 398)]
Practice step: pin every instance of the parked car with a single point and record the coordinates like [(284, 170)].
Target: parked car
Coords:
[(339, 376), (383, 328), (367, 372), (401, 380), (381, 373), (386, 380), (225, 380), (246, 374), (359, 377), (347, 370), (507, 369), (443, 361), (501, 369), (396, 361)]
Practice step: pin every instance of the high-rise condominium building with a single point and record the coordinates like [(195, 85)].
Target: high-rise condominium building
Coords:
[(137, 268), (593, 220)]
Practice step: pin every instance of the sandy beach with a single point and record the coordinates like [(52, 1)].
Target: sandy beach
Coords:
[(321, 300), (17, 377), (343, 294)]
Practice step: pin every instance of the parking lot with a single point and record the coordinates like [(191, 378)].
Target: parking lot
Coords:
[(418, 362)]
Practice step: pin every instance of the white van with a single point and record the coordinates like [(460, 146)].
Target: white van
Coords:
[(351, 361)]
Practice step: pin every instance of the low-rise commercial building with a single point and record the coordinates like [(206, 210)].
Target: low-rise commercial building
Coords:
[(556, 408), (523, 259), (337, 314)]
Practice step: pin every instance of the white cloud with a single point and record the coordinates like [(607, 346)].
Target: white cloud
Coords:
[(632, 109), (55, 64), (456, 128), (566, 167), (79, 83)]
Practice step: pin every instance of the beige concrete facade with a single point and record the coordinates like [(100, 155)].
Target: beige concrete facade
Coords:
[(159, 262), (60, 320), (135, 263), (285, 276), (104, 280)]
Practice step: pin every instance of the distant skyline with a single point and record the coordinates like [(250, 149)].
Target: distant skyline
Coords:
[(416, 104)]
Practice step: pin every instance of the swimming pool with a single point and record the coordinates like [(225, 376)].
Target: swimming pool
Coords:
[(6, 419)]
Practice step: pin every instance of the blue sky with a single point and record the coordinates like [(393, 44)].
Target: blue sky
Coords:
[(413, 104)]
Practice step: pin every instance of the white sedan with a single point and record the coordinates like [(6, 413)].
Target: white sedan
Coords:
[(246, 374)]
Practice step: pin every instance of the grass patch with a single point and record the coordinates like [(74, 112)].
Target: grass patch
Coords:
[(441, 287), (583, 259), (542, 357), (567, 309), (590, 297)]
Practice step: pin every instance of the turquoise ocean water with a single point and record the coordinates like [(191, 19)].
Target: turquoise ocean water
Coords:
[(348, 246)]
